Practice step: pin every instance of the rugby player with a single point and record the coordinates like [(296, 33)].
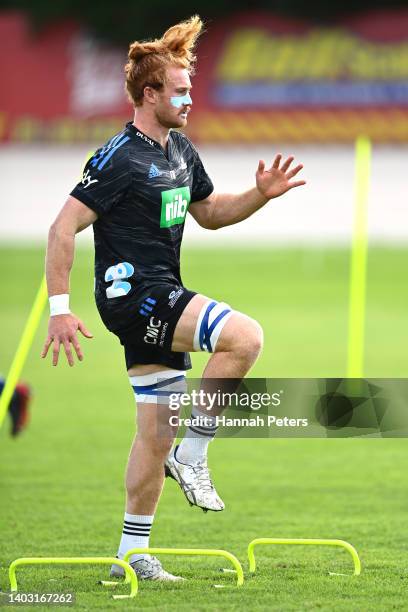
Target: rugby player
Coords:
[(136, 191)]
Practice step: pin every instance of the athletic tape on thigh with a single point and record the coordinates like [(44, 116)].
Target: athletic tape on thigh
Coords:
[(210, 323), (156, 388)]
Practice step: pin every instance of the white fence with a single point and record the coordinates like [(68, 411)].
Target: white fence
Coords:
[(35, 181)]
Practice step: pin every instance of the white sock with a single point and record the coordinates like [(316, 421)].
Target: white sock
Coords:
[(136, 532), (194, 446)]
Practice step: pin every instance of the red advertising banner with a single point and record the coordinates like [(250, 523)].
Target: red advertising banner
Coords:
[(60, 86), (259, 78)]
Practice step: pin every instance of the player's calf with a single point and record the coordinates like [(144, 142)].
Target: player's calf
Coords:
[(145, 474)]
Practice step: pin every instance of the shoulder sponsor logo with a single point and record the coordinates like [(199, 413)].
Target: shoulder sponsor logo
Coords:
[(174, 207), (87, 179), (183, 164)]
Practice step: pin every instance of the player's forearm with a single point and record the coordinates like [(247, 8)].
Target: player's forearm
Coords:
[(59, 259), (229, 208)]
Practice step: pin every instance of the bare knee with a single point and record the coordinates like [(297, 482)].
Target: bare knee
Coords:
[(251, 342), (242, 336)]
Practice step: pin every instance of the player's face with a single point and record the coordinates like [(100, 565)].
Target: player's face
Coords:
[(174, 101)]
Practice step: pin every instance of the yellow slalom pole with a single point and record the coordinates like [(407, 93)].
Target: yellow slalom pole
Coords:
[(26, 340), (355, 362), (24, 346)]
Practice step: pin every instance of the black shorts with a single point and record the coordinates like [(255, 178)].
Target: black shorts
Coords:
[(145, 326)]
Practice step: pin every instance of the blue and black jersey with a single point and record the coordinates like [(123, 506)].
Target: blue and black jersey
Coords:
[(141, 195)]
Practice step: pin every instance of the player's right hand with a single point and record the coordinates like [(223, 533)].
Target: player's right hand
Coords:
[(62, 330)]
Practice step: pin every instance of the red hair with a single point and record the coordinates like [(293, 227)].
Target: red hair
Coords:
[(147, 61)]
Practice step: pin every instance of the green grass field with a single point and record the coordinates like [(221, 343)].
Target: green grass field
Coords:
[(62, 481)]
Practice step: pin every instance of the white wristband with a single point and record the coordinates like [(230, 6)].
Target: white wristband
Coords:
[(59, 304)]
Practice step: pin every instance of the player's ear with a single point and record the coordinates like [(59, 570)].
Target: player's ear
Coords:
[(149, 94)]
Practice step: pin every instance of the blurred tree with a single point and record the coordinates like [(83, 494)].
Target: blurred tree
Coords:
[(128, 20)]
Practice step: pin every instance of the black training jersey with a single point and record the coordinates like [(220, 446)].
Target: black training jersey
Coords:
[(141, 195)]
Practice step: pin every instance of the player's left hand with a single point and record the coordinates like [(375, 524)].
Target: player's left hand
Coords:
[(277, 180)]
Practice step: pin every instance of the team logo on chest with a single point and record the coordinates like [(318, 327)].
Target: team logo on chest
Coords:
[(174, 206)]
